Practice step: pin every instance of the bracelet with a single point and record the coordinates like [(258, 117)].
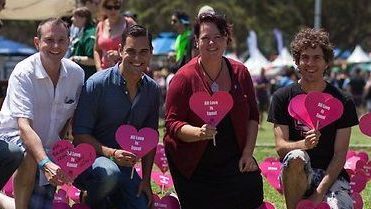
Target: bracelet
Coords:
[(112, 157), (42, 162)]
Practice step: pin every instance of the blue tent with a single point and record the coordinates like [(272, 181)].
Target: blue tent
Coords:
[(164, 43), (12, 48)]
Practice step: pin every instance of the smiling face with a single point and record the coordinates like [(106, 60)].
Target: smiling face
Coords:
[(53, 42), (136, 55), (211, 42), (312, 64)]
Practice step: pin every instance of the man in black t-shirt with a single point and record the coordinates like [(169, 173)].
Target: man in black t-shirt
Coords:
[(313, 160)]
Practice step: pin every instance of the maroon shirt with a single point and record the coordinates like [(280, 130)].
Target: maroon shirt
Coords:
[(188, 80)]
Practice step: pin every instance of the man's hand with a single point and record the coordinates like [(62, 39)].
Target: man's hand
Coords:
[(247, 164), (311, 139), (124, 158), (145, 187), (55, 175)]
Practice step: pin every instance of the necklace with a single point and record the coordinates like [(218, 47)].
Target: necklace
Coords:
[(214, 86)]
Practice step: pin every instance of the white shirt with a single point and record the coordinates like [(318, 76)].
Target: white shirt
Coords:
[(31, 95)]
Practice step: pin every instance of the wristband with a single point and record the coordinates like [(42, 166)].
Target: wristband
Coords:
[(112, 157), (42, 162)]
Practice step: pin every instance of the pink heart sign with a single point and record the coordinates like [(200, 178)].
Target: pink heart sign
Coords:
[(160, 158), (61, 196), (298, 111), (266, 205), (8, 188), (166, 202), (358, 182), (322, 109), (162, 180), (365, 124), (211, 109), (72, 160), (357, 200), (60, 205), (139, 143), (270, 165), (307, 204)]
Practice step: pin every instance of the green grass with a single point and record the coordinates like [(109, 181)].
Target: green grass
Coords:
[(265, 148)]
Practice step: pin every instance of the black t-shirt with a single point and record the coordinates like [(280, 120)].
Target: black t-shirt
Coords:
[(322, 154)]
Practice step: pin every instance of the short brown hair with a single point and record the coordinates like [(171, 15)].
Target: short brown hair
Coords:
[(53, 21), (312, 37)]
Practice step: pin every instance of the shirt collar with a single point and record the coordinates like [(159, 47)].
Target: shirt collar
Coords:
[(40, 71)]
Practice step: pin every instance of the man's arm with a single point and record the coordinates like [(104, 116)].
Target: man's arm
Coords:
[(34, 146), (283, 145), (336, 164)]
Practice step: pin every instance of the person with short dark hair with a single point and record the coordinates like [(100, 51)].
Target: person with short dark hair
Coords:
[(42, 95), (207, 176), (122, 94), (313, 160)]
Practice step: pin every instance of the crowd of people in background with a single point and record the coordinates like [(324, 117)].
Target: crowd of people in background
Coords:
[(114, 52)]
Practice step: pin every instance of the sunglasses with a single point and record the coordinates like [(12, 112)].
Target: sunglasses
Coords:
[(114, 7)]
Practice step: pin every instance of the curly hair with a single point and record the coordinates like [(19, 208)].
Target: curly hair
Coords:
[(312, 37)]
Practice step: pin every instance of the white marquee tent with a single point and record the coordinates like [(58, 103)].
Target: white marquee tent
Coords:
[(256, 62), (358, 56), (36, 9)]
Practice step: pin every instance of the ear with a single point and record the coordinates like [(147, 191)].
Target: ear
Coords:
[(36, 42)]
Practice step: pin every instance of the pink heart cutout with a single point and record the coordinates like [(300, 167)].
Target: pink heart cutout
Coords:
[(211, 109), (357, 200), (354, 163), (323, 109), (139, 143), (307, 204), (358, 182), (365, 124), (74, 194), (350, 154), (80, 206), (266, 205), (138, 169), (61, 196), (72, 160), (60, 205), (166, 202), (367, 169), (270, 165), (298, 111), (8, 188), (160, 158), (162, 179)]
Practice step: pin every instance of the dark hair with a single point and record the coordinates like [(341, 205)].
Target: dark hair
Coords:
[(84, 12), (312, 37), (182, 17), (218, 19), (136, 31), (53, 21)]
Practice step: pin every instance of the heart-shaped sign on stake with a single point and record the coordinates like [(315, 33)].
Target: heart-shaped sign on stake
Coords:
[(365, 124), (160, 158), (163, 180), (358, 182), (357, 200), (307, 204), (166, 202), (323, 110), (298, 111), (61, 196), (8, 188), (138, 142), (266, 205), (211, 109), (61, 205), (72, 160)]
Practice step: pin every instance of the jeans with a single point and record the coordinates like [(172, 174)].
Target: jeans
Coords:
[(109, 184), (11, 156)]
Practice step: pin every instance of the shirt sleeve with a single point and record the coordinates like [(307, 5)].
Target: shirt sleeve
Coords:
[(21, 95), (177, 108), (278, 111), (86, 112), (349, 117)]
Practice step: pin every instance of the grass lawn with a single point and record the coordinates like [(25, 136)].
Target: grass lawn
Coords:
[(265, 148)]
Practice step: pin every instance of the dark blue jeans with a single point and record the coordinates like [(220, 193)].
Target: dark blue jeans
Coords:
[(109, 184), (11, 156)]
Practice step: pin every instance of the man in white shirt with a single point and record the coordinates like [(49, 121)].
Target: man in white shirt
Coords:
[(42, 94)]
